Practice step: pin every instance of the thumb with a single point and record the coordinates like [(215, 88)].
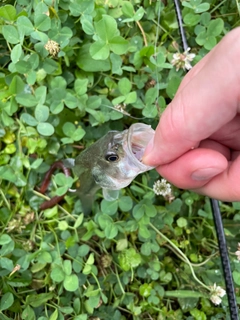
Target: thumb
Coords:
[(201, 107)]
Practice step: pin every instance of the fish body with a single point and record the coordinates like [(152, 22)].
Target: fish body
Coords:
[(111, 163)]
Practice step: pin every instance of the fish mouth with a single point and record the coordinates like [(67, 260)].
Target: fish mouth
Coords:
[(138, 137)]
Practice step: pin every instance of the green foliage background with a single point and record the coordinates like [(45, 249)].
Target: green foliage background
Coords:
[(108, 68)]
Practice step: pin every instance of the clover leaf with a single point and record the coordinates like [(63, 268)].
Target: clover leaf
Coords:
[(107, 39)]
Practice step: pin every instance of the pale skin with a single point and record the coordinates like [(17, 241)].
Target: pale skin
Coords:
[(197, 142)]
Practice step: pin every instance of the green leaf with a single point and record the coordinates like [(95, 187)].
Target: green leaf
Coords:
[(57, 274), (26, 99), (70, 282), (202, 7), (28, 314), (184, 294), (122, 244), (210, 42), (62, 37), (79, 221), (127, 9), (111, 231), (78, 134), (37, 300), (106, 28), (40, 94), (38, 35), (28, 119), (118, 45), (45, 128), (54, 315), (90, 259), (139, 14), (236, 277), (68, 129), (17, 85), (41, 113), (191, 19), (143, 231), (87, 24), (36, 164), (16, 53), (125, 203), (67, 266), (215, 27), (99, 50), (131, 97), (198, 315), (62, 225), (129, 259), (42, 22), (23, 67), (81, 7), (182, 222), (19, 282), (7, 173), (8, 12), (80, 86), (83, 250), (205, 18), (116, 64), (25, 25), (6, 301), (71, 101), (11, 34), (5, 239), (172, 86), (109, 207), (124, 86), (6, 263), (87, 63), (56, 107), (138, 211), (145, 290)]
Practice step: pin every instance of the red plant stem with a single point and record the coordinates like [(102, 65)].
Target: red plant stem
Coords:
[(52, 202)]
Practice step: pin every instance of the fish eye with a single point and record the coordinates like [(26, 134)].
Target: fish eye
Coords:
[(111, 157)]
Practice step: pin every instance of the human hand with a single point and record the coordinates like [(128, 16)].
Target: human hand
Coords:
[(197, 142)]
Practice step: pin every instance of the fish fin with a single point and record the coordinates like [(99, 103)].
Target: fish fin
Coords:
[(86, 191), (69, 163), (86, 202), (110, 195)]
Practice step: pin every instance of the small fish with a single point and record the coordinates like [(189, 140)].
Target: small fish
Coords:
[(111, 163)]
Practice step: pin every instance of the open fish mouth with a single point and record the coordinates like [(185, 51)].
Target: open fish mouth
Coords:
[(138, 137)]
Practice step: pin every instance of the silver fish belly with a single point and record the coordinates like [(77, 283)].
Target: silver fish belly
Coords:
[(111, 163)]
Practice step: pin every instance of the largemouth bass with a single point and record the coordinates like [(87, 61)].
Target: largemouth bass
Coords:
[(111, 163)]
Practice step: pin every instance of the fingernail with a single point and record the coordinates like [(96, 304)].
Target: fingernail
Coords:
[(148, 151), (205, 174)]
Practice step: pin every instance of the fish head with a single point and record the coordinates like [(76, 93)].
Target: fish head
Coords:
[(119, 158)]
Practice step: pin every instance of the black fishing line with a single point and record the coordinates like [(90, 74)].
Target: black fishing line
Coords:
[(216, 211), (225, 259)]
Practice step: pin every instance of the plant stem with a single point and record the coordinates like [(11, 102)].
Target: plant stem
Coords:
[(181, 254)]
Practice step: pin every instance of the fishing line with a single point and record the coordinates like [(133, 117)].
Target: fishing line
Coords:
[(216, 211), (156, 41), (225, 260)]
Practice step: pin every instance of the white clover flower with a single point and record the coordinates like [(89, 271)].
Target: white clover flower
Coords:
[(162, 187), (237, 253), (215, 299), (216, 294), (52, 47), (182, 60)]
